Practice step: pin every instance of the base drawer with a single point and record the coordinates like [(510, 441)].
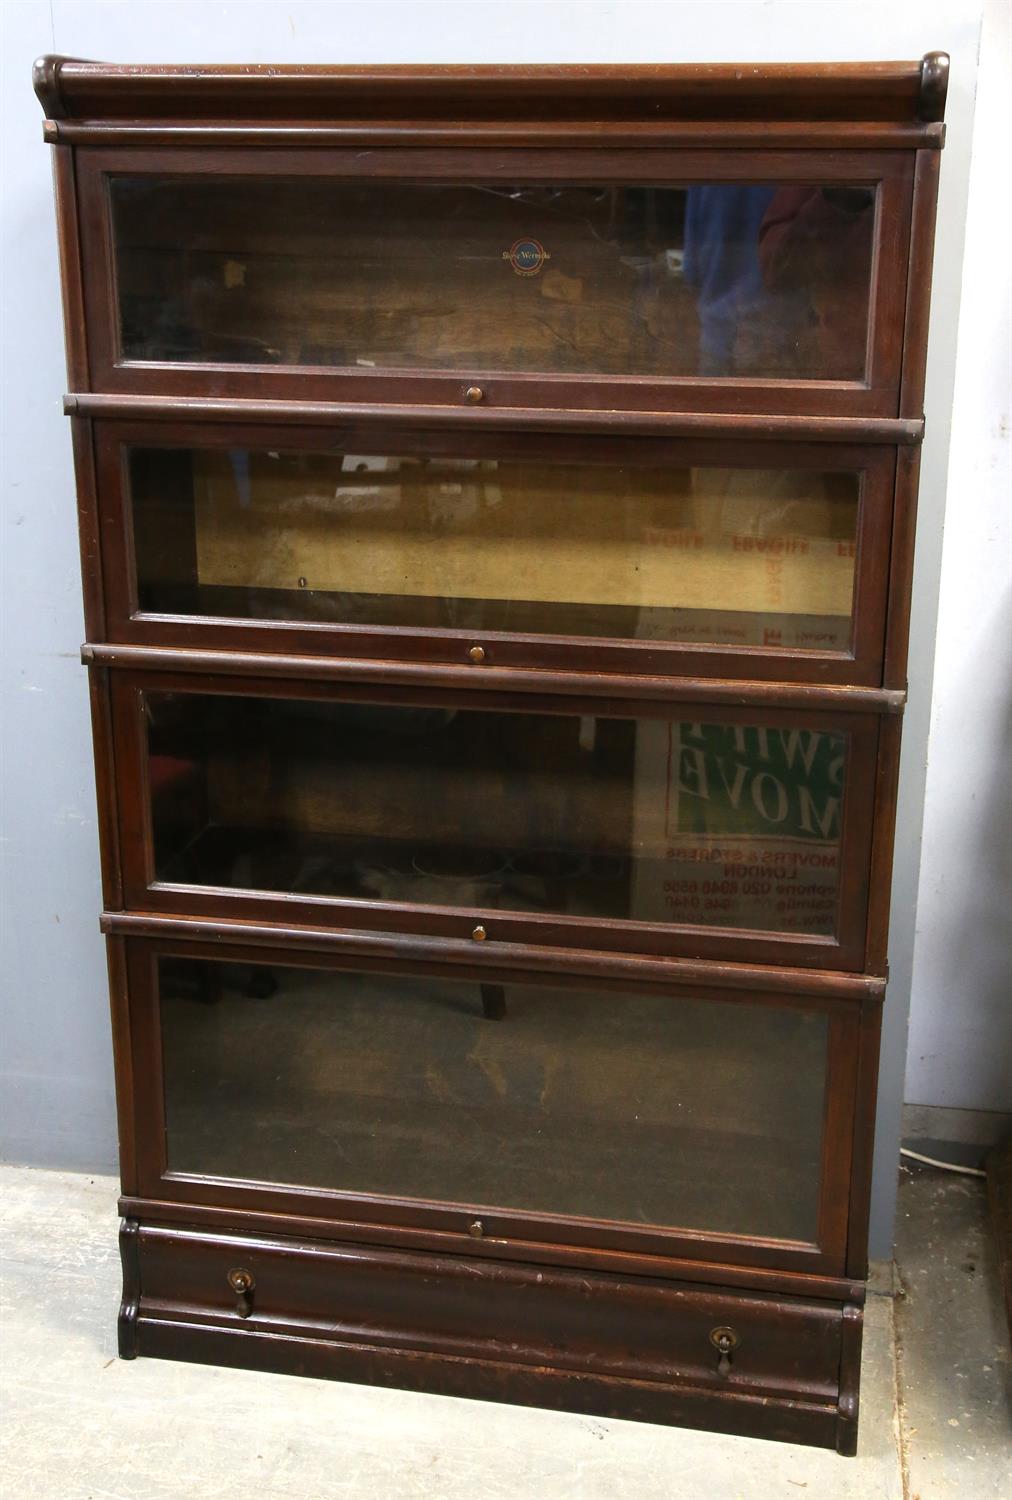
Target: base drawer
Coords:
[(643, 1348)]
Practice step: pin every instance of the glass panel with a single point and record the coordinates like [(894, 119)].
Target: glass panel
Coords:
[(733, 557), (706, 1115), (723, 825), (717, 280)]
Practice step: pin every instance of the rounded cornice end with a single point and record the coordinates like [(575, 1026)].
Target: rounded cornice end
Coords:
[(46, 82), (934, 86)]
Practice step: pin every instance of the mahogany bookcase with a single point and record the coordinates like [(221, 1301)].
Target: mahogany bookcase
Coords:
[(497, 493)]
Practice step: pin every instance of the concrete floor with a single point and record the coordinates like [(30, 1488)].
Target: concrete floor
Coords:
[(79, 1424)]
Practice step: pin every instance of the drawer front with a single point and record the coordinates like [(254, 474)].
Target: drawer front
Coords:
[(670, 1120), (609, 554), (672, 1334), (726, 833), (652, 281)]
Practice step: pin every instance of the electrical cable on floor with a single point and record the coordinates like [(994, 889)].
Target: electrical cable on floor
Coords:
[(946, 1166)]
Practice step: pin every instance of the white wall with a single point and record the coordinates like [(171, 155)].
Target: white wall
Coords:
[(57, 1081), (960, 1053)]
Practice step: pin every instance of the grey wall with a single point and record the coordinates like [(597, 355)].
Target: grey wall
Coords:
[(960, 1053), (57, 1084), (57, 1076)]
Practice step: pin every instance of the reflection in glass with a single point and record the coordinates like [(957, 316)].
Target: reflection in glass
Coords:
[(709, 824), (649, 1109), (734, 557), (724, 280)]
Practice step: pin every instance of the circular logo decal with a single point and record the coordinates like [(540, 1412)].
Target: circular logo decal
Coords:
[(526, 256)]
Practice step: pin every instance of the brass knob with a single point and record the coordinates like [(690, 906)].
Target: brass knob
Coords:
[(477, 653), (479, 934), (476, 1229), (474, 394)]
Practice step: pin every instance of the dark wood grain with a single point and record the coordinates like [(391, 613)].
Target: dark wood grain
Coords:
[(845, 950), (106, 792), (545, 1308), (728, 135), (129, 624), (864, 1142), (70, 88), (376, 1218), (901, 569), (731, 1411), (889, 174), (89, 529), (71, 275), (129, 1251), (459, 1293), (842, 1083), (300, 1222), (881, 859), (934, 85), (630, 1330), (388, 417), (119, 1014), (392, 675), (850, 1380), (922, 251), (493, 962)]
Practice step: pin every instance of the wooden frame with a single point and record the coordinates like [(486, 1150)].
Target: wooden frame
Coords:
[(129, 624), (876, 395), (902, 97), (594, 1316), (419, 1224), (144, 891)]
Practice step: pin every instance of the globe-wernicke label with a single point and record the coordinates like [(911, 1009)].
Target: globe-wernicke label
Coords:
[(526, 256)]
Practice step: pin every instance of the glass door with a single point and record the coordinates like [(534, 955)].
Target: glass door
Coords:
[(708, 832), (656, 555), (573, 1113), (666, 277)]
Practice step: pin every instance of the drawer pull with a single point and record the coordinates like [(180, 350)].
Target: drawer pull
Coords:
[(242, 1283), (725, 1341)]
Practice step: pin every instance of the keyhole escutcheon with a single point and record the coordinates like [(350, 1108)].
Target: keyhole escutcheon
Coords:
[(725, 1341), (242, 1283)]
